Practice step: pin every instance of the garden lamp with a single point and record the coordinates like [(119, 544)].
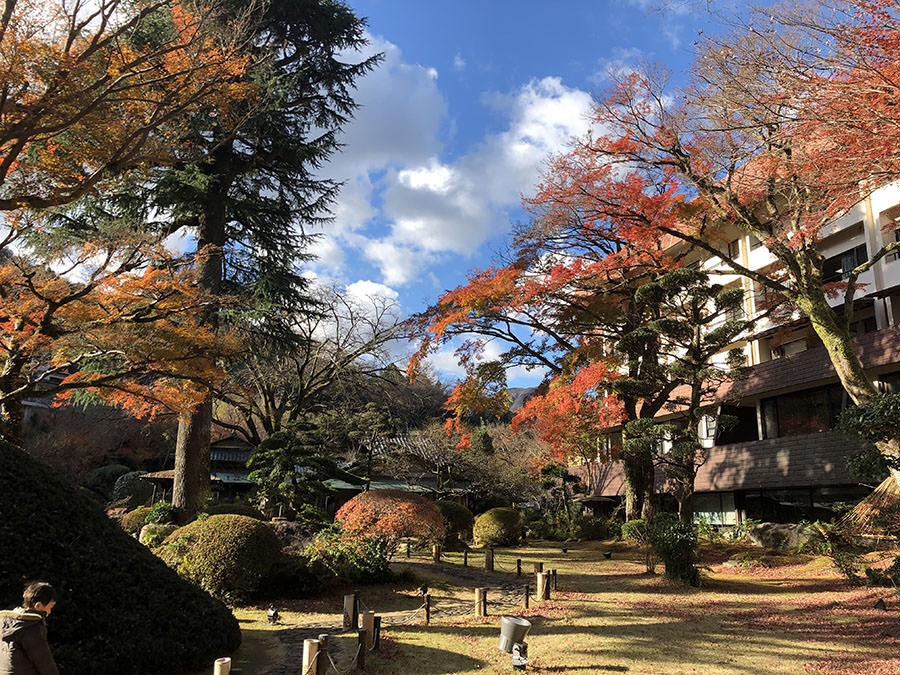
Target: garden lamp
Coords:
[(513, 630)]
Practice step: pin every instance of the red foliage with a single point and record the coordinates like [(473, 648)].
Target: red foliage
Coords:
[(392, 515)]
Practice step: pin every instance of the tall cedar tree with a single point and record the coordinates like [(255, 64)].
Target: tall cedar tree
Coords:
[(255, 190)]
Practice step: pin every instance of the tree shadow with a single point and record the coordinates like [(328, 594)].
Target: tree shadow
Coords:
[(424, 660)]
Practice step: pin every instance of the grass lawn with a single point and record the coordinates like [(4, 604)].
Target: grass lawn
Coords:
[(609, 616)]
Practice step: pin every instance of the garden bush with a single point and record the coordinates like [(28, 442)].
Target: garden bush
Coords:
[(350, 557), (675, 542), (131, 491), (498, 527), (153, 534), (636, 531), (235, 509), (161, 513), (391, 516), (592, 528), (121, 611), (458, 520), (133, 521), (226, 555)]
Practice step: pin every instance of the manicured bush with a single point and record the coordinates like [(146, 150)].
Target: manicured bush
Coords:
[(498, 527), (226, 555), (491, 502), (104, 479), (390, 516), (458, 520), (131, 491), (133, 521), (636, 531), (675, 542), (235, 510), (121, 611)]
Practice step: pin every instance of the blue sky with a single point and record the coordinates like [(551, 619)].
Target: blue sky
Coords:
[(455, 125)]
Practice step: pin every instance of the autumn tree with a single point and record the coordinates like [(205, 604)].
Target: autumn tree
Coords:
[(391, 516), (90, 89), (746, 146), (125, 328)]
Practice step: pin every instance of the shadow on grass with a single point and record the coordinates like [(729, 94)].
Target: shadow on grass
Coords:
[(424, 660)]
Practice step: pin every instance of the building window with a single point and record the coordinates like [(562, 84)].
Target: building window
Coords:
[(734, 249), (754, 243), (838, 267), (803, 412)]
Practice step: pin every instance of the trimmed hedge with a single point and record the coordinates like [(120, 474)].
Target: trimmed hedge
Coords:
[(121, 611), (129, 486), (226, 554), (498, 527)]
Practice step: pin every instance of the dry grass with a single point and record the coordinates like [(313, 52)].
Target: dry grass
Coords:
[(793, 615)]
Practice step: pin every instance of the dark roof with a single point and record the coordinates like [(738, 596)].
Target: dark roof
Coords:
[(810, 460), (229, 455), (233, 442)]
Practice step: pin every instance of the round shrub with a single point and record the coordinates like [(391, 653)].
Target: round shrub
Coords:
[(121, 611), (133, 521), (458, 520), (591, 528), (235, 510), (498, 527), (636, 531), (350, 557), (675, 542), (104, 479), (392, 515), (226, 555), (129, 488)]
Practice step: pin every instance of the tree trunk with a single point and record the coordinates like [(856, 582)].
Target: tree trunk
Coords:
[(192, 467), (12, 416), (191, 486), (686, 502), (639, 484)]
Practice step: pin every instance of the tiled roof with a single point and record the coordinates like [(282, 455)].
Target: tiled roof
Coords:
[(809, 460)]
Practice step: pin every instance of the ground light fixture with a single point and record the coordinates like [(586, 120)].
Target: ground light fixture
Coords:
[(513, 630)]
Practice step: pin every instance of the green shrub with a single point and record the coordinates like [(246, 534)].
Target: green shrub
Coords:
[(889, 578), (457, 519), (121, 611), (540, 529), (133, 521), (161, 513), (591, 528), (491, 502), (294, 575), (235, 510), (636, 531), (498, 527), (226, 555), (351, 557), (104, 479), (675, 542), (131, 490)]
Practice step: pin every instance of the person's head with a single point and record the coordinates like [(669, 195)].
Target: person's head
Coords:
[(39, 596)]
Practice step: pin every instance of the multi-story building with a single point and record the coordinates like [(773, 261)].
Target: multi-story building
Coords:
[(782, 461)]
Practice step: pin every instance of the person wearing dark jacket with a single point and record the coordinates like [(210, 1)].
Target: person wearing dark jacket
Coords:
[(23, 634)]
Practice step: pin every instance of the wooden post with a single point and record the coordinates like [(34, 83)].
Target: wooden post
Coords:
[(538, 567), (543, 586), (480, 604), (220, 666), (361, 641), (553, 573), (466, 558), (435, 554), (310, 657), (518, 567), (351, 611), (368, 624), (322, 664), (407, 548), (376, 643), (527, 593), (489, 560), (427, 609)]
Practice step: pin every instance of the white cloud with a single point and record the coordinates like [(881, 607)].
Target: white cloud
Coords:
[(404, 205), (370, 289), (459, 63), (620, 64)]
